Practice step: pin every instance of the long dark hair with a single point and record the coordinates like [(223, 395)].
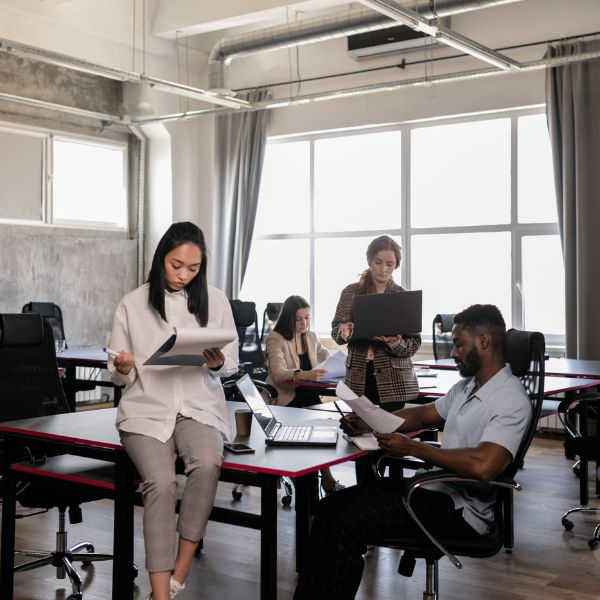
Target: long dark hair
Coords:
[(383, 242), (196, 289), (286, 323)]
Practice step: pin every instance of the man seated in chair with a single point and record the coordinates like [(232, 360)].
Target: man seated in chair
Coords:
[(484, 416)]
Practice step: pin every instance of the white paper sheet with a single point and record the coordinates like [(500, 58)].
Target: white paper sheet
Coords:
[(375, 417), (367, 441), (186, 345), (335, 365)]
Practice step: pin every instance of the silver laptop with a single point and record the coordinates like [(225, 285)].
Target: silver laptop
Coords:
[(387, 314), (276, 433)]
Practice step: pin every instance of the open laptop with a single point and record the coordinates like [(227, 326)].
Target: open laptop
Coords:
[(276, 433), (387, 314)]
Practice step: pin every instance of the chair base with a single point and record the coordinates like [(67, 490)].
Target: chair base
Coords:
[(594, 541), (63, 561)]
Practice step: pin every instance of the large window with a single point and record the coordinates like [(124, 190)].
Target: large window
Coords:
[(71, 181), (470, 200)]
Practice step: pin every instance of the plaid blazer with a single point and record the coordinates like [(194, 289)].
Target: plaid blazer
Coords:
[(394, 373)]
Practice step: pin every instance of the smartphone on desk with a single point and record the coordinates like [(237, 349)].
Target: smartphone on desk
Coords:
[(238, 448)]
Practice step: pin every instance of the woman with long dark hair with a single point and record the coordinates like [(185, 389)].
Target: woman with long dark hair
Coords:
[(293, 352), (380, 368), (167, 411)]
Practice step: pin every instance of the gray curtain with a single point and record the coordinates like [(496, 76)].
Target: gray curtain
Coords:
[(240, 149), (573, 112)]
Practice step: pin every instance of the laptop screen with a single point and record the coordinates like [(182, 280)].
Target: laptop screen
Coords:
[(266, 419)]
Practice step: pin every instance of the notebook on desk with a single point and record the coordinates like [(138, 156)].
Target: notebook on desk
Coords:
[(276, 433), (387, 314)]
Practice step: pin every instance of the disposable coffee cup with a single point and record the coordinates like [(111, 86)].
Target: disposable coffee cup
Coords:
[(243, 421)]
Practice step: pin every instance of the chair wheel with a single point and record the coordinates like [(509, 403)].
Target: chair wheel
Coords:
[(567, 524), (90, 548), (286, 500), (135, 571), (237, 496), (593, 543), (576, 470), (75, 597)]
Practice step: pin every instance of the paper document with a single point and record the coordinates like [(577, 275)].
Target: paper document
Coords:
[(366, 441), (376, 418), (335, 365), (186, 345)]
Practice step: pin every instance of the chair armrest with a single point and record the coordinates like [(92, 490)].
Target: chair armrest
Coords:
[(569, 406), (445, 476), (408, 461)]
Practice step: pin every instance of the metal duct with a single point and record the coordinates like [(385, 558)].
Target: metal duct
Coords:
[(320, 29)]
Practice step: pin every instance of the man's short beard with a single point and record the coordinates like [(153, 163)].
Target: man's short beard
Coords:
[(471, 364)]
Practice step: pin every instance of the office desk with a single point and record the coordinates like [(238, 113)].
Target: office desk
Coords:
[(92, 434), (91, 356), (563, 367)]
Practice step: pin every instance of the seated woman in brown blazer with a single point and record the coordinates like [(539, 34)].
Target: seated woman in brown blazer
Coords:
[(292, 352)]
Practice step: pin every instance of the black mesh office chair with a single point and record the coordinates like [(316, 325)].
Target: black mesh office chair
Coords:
[(270, 316), (252, 358), (30, 387), (52, 313), (525, 352), (441, 335), (587, 447)]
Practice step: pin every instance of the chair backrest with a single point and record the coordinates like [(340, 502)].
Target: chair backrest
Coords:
[(524, 351), (52, 313), (270, 315), (29, 380), (441, 335), (246, 323)]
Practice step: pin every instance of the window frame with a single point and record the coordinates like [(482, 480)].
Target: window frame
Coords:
[(406, 232), (47, 137)]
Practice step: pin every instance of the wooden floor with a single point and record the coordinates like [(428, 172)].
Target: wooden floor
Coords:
[(547, 563)]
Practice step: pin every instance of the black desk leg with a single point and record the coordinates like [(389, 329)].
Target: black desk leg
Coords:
[(268, 537), (306, 492), (7, 542), (123, 573), (69, 385)]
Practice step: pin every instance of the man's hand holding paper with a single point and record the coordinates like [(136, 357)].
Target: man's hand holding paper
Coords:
[(375, 417)]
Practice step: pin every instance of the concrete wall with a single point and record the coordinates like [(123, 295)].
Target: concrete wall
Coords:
[(83, 272)]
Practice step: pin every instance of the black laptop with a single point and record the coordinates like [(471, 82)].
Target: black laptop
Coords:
[(276, 433), (387, 314)]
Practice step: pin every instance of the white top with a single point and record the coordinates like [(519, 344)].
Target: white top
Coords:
[(156, 394), (498, 412)]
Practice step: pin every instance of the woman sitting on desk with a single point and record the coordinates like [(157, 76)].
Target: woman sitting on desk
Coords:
[(174, 410), (379, 368), (292, 354)]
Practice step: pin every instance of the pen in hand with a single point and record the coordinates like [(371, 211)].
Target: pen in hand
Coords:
[(339, 409), (111, 353)]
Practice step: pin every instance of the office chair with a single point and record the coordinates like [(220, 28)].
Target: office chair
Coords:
[(252, 358), (30, 387), (270, 316), (53, 314), (587, 447), (525, 352), (441, 335)]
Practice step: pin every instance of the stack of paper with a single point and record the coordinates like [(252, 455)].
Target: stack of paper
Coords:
[(335, 366)]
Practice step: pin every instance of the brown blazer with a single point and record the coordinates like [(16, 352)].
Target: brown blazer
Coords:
[(394, 372), (283, 360)]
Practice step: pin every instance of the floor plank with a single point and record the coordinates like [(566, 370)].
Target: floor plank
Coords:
[(548, 563)]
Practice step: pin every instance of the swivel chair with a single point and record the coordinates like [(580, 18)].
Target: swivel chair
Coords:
[(30, 387), (525, 352), (587, 447), (441, 335), (251, 355), (270, 315)]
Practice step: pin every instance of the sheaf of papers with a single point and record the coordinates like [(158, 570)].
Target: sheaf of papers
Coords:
[(376, 418), (186, 345), (335, 365), (367, 441)]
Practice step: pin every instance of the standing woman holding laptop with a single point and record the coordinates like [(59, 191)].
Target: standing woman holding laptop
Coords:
[(381, 367), (167, 411)]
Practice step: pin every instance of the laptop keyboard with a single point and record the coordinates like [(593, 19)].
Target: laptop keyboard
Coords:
[(293, 433)]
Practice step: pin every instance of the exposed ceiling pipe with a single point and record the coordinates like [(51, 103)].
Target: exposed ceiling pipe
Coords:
[(85, 66), (309, 31), (447, 36), (535, 65)]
